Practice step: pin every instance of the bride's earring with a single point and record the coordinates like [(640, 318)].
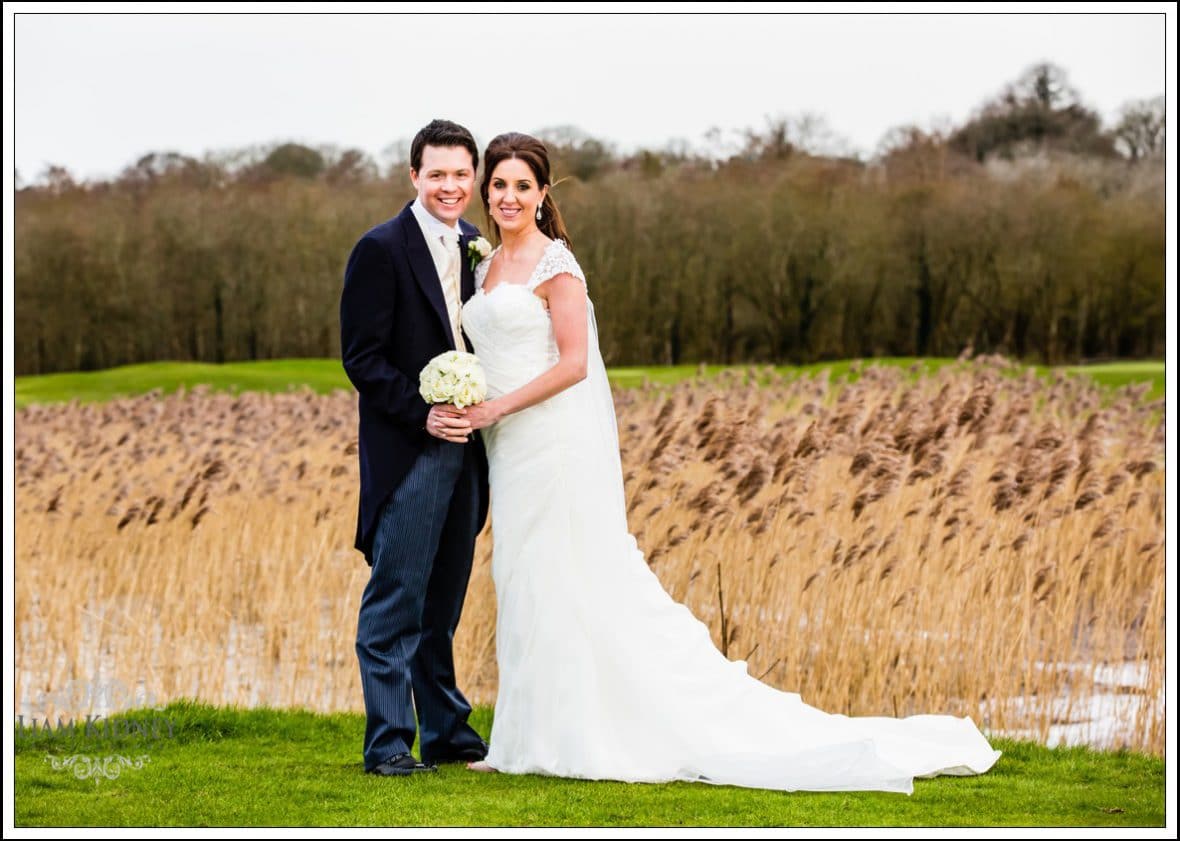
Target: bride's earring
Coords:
[(538, 213)]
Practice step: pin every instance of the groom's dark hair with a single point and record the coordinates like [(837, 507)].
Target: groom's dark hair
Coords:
[(442, 133)]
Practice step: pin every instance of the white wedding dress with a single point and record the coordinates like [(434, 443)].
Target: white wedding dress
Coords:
[(602, 675)]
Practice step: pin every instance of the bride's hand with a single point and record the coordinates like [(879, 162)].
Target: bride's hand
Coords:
[(483, 414)]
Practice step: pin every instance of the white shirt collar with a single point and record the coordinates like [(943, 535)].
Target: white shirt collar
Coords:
[(430, 223)]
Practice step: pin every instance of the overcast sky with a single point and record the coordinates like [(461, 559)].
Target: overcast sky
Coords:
[(95, 92)]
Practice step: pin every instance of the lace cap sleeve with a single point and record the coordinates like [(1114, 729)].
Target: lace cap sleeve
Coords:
[(481, 270), (558, 259)]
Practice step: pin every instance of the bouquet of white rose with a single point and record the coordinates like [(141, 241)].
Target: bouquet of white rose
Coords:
[(453, 377)]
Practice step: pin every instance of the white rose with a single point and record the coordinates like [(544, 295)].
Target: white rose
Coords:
[(453, 377), (465, 395)]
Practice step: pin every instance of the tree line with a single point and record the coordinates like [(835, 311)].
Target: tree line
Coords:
[(1030, 230)]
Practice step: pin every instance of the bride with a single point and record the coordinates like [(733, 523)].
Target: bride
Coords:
[(602, 674)]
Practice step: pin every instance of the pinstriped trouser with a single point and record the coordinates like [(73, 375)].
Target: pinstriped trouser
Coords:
[(422, 553)]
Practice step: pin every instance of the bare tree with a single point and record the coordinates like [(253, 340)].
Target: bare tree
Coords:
[(58, 179), (396, 157), (786, 135), (772, 144), (574, 152), (1140, 130), (814, 134), (347, 166), (295, 159), (1046, 85)]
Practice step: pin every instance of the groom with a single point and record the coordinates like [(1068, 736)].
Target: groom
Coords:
[(424, 491)]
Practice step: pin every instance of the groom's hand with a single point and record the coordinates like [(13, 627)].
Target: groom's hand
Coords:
[(447, 423)]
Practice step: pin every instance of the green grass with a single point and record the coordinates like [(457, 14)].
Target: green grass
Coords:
[(326, 375), (264, 767), (321, 375)]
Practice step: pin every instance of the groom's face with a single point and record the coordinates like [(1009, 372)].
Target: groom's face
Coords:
[(445, 181)]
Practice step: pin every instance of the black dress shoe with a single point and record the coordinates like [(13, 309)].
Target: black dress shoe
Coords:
[(402, 765), (471, 754)]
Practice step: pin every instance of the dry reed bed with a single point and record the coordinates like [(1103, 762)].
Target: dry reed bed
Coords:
[(947, 544)]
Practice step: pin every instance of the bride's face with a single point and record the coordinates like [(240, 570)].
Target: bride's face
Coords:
[(513, 195)]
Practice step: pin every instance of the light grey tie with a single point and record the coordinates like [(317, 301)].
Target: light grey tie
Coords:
[(451, 285)]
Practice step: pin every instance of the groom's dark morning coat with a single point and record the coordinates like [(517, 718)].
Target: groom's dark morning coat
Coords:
[(393, 321)]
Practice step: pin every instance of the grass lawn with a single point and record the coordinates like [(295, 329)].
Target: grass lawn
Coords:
[(325, 375), (230, 767)]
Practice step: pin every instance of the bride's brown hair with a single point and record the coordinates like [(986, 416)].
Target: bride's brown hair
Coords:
[(533, 152)]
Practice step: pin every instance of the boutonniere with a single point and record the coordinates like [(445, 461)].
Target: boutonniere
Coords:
[(477, 249)]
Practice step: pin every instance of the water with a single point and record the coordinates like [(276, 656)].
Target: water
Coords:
[(1104, 719)]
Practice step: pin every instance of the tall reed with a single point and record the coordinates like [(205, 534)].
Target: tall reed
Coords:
[(977, 542)]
